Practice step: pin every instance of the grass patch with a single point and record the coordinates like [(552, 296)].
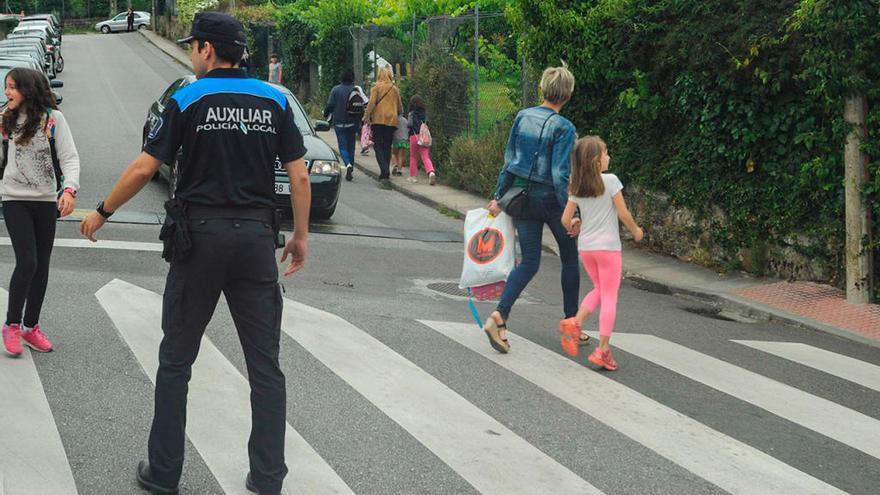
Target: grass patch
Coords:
[(449, 212), (495, 105)]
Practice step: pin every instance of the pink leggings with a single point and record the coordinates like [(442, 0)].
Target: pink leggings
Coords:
[(604, 269), (414, 152)]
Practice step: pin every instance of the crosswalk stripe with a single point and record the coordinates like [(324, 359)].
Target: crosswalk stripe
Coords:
[(715, 457), (820, 415), (219, 418), (455, 430), (865, 374), (32, 457), (155, 247)]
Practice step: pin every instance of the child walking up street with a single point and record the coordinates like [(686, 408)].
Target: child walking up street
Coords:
[(417, 117), (399, 146), (599, 197)]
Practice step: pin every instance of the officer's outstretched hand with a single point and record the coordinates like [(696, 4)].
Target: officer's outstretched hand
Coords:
[(91, 224), (297, 249)]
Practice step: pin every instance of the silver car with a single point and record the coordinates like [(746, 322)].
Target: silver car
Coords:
[(120, 22)]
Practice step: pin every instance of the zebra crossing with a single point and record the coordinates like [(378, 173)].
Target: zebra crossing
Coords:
[(488, 453)]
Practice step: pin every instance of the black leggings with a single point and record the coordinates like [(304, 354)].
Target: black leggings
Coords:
[(31, 227), (382, 135)]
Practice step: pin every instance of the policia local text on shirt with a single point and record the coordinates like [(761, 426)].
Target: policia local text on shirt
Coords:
[(231, 129)]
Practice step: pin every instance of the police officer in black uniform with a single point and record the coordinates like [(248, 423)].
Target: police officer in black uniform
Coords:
[(220, 237)]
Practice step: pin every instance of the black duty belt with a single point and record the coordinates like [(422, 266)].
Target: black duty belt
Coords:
[(266, 215)]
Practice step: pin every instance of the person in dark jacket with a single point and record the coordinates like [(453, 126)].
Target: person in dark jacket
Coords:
[(345, 117), (130, 18), (417, 117)]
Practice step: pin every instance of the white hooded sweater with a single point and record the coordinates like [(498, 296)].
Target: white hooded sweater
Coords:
[(29, 175)]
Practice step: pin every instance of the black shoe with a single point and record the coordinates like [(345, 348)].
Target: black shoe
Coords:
[(385, 183), (145, 480), (348, 171), (249, 484)]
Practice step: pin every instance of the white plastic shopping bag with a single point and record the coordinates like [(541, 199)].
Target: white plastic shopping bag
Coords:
[(489, 250)]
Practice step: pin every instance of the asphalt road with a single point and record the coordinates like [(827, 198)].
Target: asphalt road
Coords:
[(390, 383)]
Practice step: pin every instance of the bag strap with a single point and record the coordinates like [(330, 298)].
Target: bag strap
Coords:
[(537, 153), (49, 129)]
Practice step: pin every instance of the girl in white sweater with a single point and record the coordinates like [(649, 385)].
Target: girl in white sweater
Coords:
[(34, 196)]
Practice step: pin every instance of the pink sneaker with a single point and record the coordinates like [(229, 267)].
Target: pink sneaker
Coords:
[(569, 332), (36, 340), (603, 359), (12, 339)]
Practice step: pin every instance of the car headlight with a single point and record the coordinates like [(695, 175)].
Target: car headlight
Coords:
[(322, 167)]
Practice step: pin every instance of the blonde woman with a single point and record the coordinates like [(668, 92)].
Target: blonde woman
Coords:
[(538, 159), (382, 112)]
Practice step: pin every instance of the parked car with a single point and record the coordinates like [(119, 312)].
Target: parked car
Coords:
[(120, 22), (53, 47), (7, 48), (7, 64), (53, 33), (50, 18), (321, 159)]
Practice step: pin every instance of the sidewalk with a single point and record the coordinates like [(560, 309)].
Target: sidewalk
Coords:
[(805, 304)]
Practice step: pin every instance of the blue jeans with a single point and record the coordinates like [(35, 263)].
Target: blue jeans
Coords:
[(345, 136), (543, 208)]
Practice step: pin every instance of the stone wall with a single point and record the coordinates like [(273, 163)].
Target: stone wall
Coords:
[(677, 231)]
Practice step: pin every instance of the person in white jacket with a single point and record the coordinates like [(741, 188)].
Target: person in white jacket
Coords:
[(32, 201)]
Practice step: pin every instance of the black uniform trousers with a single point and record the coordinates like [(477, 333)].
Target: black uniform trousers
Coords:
[(236, 257)]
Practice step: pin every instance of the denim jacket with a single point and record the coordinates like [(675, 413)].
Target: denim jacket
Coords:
[(553, 166)]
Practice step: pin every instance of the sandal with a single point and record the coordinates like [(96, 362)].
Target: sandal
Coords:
[(569, 336), (492, 331)]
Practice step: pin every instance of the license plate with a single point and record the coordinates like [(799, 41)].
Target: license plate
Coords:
[(282, 188)]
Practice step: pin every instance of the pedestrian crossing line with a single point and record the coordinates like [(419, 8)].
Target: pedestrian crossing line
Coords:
[(155, 247), (850, 369), (837, 422), (32, 456), (719, 459), (219, 416), (485, 453)]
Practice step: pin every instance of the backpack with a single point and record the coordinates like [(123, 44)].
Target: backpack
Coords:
[(49, 129), (356, 104), (424, 136)]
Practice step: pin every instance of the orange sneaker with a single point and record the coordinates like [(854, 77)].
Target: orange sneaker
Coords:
[(569, 334), (603, 359)]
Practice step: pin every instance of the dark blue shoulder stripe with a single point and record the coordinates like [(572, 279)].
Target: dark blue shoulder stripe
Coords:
[(210, 86)]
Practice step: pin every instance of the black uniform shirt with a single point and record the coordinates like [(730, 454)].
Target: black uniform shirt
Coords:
[(231, 128)]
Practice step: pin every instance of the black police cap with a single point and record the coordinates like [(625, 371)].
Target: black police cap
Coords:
[(216, 27)]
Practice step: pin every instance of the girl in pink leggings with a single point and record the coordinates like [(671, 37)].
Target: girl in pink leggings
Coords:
[(599, 198)]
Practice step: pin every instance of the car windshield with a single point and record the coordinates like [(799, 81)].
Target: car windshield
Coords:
[(3, 72), (299, 116)]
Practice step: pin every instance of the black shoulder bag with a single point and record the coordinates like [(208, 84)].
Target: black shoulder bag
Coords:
[(515, 201)]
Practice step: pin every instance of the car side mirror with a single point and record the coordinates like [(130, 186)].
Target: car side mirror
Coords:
[(322, 125), (55, 83)]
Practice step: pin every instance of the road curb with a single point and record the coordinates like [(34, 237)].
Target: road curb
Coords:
[(744, 307), (174, 56)]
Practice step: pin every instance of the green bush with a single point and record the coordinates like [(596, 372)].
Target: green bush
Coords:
[(443, 82), (474, 164), (734, 105)]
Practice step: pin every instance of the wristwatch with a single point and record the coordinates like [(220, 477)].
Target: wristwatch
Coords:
[(101, 211)]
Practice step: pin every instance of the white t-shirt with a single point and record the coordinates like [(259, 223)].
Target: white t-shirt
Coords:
[(600, 228)]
